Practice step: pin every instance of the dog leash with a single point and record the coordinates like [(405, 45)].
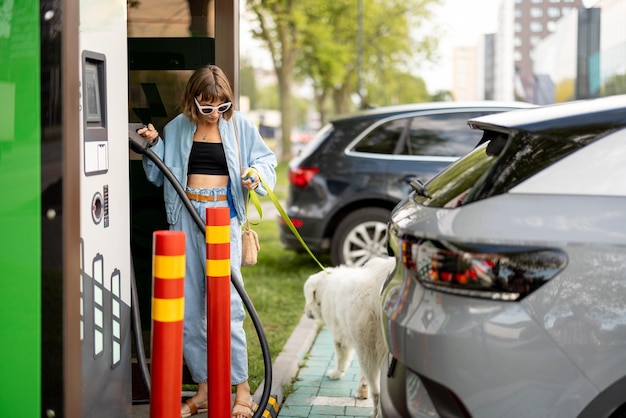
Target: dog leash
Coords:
[(257, 204)]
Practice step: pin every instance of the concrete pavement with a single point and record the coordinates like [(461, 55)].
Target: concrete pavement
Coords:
[(301, 367), (306, 357)]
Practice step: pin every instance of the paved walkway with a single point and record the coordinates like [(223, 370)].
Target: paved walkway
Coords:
[(307, 356), (304, 361), (315, 395)]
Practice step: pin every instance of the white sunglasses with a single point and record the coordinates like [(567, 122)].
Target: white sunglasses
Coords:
[(207, 110)]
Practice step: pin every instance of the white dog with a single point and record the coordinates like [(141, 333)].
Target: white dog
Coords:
[(347, 300)]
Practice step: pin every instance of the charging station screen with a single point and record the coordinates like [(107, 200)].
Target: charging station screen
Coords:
[(95, 135), (93, 110)]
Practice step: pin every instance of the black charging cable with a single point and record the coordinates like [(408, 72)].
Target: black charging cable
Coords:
[(141, 146)]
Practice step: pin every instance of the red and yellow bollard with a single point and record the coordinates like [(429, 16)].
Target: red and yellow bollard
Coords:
[(168, 308), (218, 310)]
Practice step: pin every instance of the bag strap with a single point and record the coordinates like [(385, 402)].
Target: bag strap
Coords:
[(252, 196)]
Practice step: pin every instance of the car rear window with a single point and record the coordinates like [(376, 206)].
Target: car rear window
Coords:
[(497, 165), (342, 133), (451, 186), (522, 158)]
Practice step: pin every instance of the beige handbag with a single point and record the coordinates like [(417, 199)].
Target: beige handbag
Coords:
[(249, 246), (249, 238)]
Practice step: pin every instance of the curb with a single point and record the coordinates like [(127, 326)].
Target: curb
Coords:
[(286, 366)]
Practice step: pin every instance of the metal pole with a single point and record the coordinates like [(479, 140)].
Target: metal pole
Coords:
[(218, 310), (168, 310), (359, 63)]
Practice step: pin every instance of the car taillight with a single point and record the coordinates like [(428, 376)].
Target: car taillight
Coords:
[(301, 176), (296, 222), (484, 271)]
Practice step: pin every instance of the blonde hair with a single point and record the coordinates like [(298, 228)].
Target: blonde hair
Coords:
[(211, 85)]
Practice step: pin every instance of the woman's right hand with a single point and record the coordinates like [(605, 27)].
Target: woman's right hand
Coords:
[(149, 133), (250, 178)]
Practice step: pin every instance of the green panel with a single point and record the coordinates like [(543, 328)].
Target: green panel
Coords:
[(20, 218)]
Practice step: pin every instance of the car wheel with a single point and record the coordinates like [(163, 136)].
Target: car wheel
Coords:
[(360, 236)]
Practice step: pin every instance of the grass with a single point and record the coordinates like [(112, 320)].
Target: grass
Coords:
[(274, 285)]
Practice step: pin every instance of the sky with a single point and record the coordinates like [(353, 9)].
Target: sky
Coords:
[(461, 23)]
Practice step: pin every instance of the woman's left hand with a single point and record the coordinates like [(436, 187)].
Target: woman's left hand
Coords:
[(250, 179)]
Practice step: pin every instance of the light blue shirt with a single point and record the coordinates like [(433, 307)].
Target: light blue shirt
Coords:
[(174, 150)]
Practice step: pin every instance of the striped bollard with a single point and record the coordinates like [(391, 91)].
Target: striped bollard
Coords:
[(218, 310), (168, 307)]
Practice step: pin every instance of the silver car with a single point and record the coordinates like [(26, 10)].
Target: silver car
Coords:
[(509, 298)]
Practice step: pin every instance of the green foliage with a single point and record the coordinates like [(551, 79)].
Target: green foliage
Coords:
[(441, 96), (247, 82), (321, 41), (398, 88), (330, 50), (615, 85), (278, 26), (268, 98)]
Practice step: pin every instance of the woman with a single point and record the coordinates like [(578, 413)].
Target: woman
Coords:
[(217, 154)]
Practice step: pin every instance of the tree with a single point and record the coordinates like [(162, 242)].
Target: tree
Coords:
[(614, 85), (328, 48), (398, 87), (318, 39), (390, 51), (280, 23), (247, 82), (441, 96)]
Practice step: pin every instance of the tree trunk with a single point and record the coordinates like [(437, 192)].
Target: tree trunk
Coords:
[(320, 99), (284, 84), (341, 99)]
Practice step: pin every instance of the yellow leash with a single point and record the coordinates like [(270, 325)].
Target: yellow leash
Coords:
[(253, 196)]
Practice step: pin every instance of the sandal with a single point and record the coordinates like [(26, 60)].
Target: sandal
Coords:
[(248, 414), (193, 409)]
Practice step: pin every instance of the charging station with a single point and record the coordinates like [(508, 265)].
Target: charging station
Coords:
[(104, 210), (74, 74)]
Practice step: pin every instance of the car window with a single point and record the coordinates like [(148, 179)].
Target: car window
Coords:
[(523, 157), (500, 164), (494, 168), (599, 171), (444, 134), (452, 185), (384, 138)]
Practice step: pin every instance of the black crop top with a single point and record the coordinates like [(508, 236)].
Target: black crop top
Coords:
[(207, 158)]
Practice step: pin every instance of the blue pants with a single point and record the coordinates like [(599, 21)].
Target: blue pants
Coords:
[(195, 325)]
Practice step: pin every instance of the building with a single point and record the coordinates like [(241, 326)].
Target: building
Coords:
[(584, 57), (465, 83), (486, 67), (522, 24)]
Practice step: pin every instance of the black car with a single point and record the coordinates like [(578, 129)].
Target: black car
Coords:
[(346, 181)]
